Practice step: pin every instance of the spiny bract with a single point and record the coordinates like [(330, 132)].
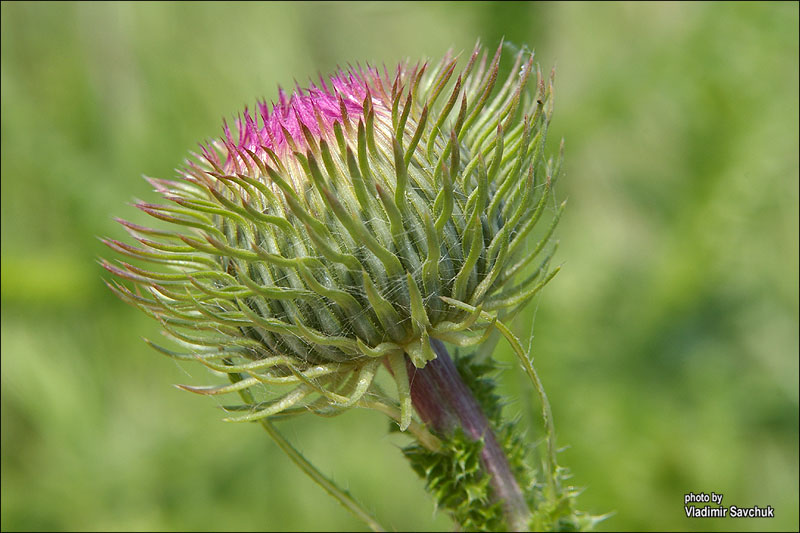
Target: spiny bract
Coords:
[(358, 219)]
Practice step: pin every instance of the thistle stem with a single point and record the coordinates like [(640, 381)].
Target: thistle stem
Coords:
[(339, 494), (445, 403)]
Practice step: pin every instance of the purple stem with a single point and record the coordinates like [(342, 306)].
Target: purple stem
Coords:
[(445, 403)]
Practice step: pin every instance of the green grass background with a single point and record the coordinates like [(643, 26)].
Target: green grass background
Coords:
[(668, 343)]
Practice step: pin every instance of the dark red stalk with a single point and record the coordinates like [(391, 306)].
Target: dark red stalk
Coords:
[(445, 403)]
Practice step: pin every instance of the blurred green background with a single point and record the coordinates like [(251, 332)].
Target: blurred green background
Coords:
[(668, 343)]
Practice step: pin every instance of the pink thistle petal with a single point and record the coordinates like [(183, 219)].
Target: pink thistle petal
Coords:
[(316, 108)]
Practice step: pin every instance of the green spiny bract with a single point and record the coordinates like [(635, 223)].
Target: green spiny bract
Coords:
[(458, 484), (359, 219)]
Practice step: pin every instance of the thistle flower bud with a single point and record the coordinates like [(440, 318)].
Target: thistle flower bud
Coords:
[(347, 225)]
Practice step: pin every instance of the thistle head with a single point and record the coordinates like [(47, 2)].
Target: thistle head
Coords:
[(346, 225)]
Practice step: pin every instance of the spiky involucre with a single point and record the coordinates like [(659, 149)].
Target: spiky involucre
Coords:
[(360, 218)]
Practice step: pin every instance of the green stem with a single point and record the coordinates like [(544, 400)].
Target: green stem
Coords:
[(329, 486), (547, 414), (311, 471)]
